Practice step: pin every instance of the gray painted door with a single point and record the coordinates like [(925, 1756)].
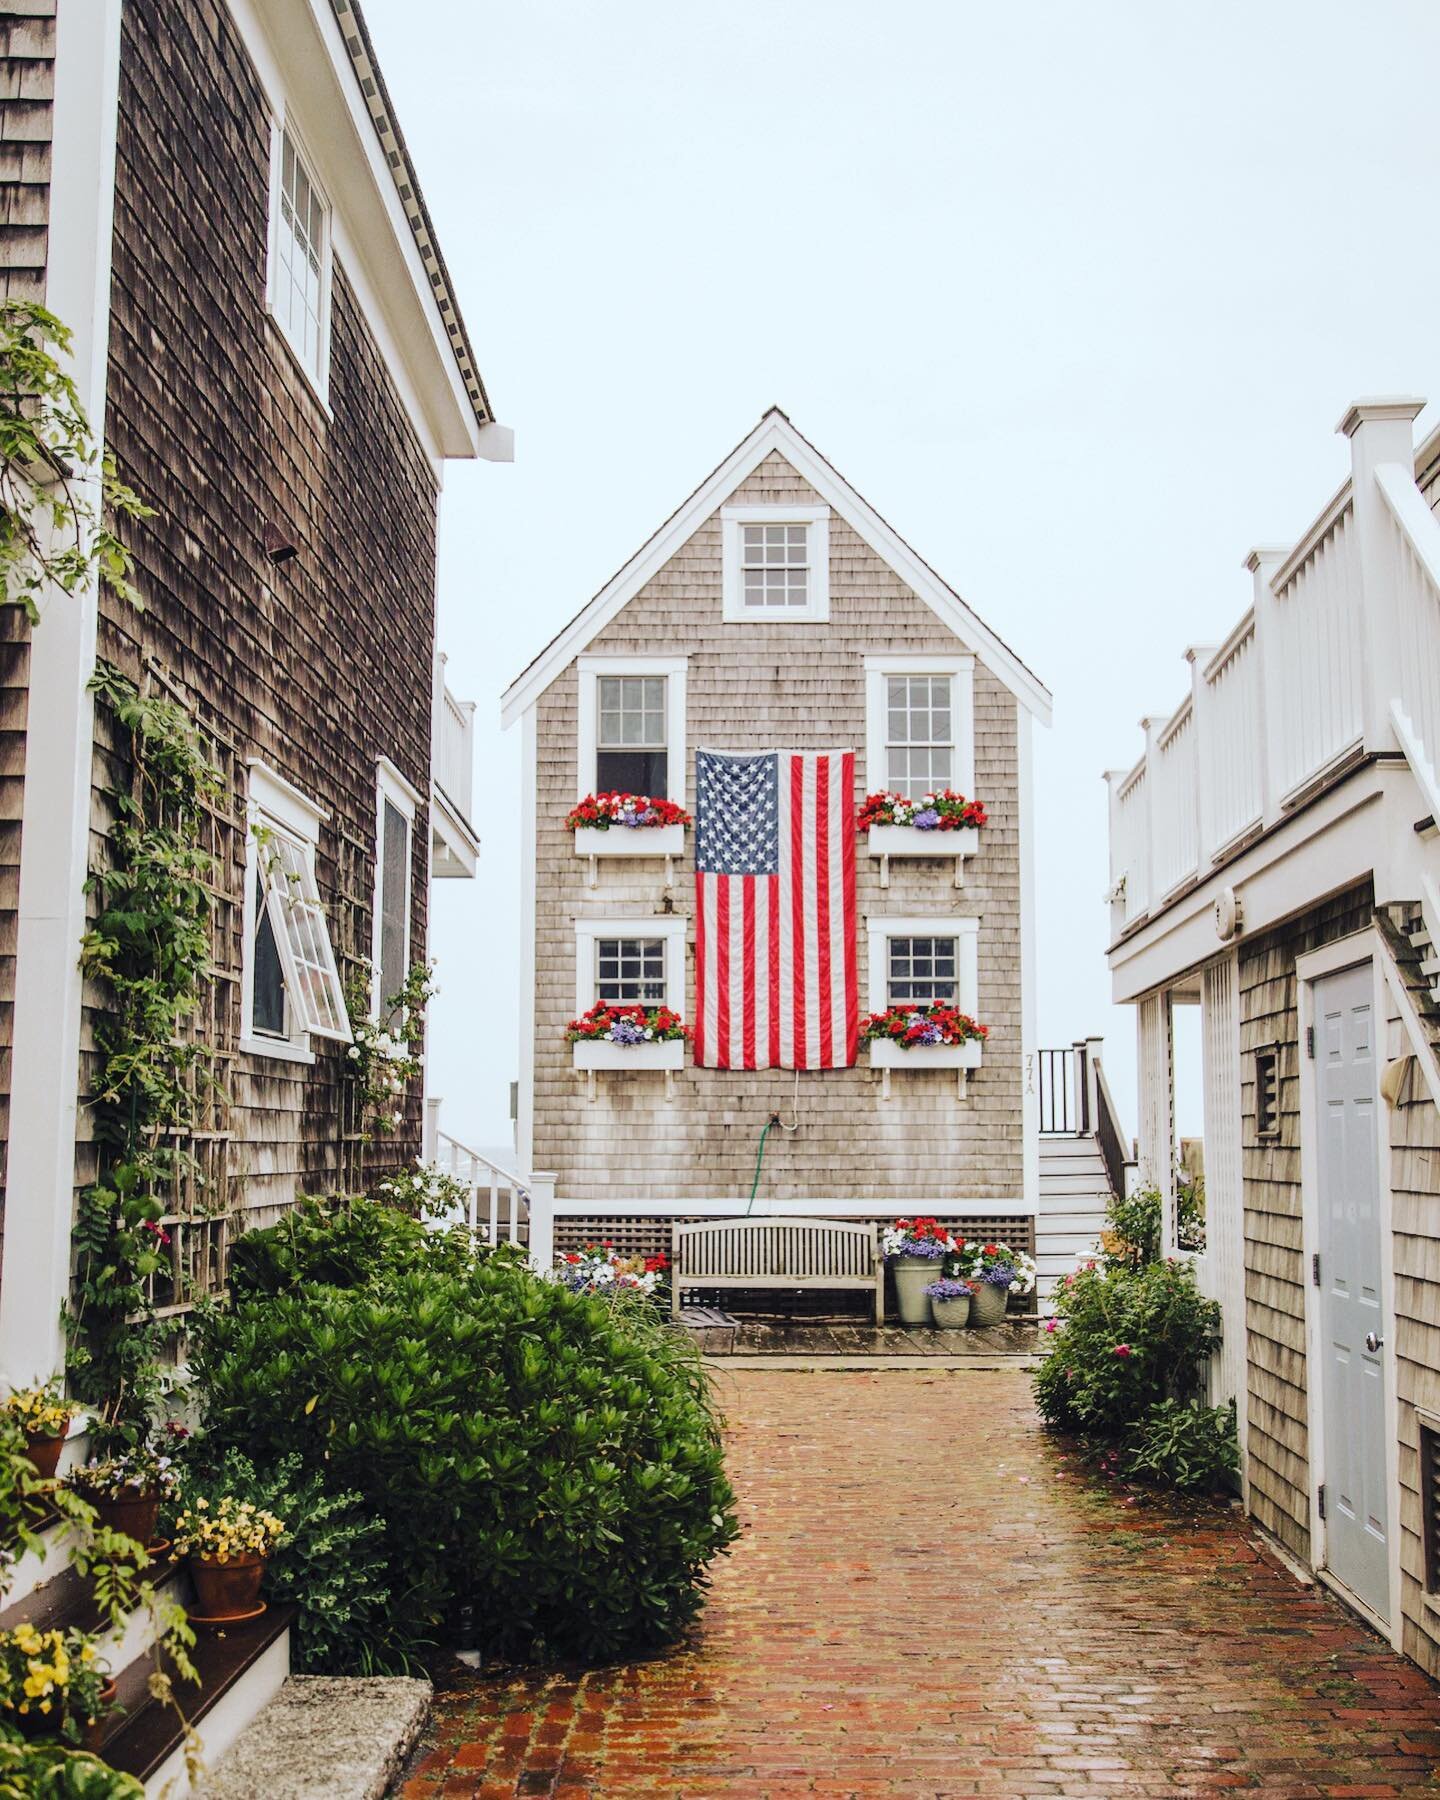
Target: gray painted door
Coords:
[(1352, 1325)]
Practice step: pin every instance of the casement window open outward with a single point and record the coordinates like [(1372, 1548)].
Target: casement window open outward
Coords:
[(292, 989)]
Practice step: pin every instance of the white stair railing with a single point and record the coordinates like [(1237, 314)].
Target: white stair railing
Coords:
[(487, 1181)]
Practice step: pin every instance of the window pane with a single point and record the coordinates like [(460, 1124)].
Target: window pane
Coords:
[(267, 983), (630, 971), (773, 560), (394, 886), (922, 970), (632, 710), (299, 258), (631, 772)]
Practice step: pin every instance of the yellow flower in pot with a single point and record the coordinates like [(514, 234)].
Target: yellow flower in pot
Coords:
[(43, 1414), (226, 1546), (53, 1684)]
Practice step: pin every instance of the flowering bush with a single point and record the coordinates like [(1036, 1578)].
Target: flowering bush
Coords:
[(227, 1530), (636, 812), (994, 1265), (600, 1269), (948, 1289), (916, 1237), (52, 1677), (425, 1192), (41, 1411), (911, 1026), (942, 811), (147, 1469), (629, 1025), (384, 1056)]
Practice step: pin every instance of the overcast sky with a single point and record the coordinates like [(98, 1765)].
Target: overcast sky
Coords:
[(1074, 295)]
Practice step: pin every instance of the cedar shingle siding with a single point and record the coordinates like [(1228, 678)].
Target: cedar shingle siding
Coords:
[(756, 686), (1274, 1256), (318, 666)]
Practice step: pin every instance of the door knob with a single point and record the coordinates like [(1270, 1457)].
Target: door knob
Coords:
[(1373, 1343)]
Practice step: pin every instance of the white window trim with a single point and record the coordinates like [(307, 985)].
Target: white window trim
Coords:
[(588, 932), (390, 785), (961, 670), (589, 671), (733, 609), (270, 796), (318, 379), (882, 927)]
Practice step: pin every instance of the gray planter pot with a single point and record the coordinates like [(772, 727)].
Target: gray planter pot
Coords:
[(987, 1306), (913, 1274), (950, 1313)]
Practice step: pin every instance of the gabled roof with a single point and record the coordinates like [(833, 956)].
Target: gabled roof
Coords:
[(775, 432)]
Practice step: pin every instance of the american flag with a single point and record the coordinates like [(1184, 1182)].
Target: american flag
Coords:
[(775, 978)]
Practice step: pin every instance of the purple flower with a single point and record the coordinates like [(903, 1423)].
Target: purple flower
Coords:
[(928, 1034), (926, 820), (928, 1247), (998, 1275), (946, 1289), (626, 1031)]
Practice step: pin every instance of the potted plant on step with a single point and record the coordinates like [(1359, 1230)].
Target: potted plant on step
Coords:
[(915, 1250), (43, 1414), (128, 1490), (950, 1301), (995, 1272), (53, 1684), (226, 1545)]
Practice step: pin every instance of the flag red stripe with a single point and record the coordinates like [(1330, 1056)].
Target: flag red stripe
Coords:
[(747, 892), (773, 914), (852, 987), (797, 903), (722, 972), (700, 946), (822, 905)]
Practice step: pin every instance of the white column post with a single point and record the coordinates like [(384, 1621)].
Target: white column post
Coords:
[(1093, 1048), (1379, 432), (542, 1220), (1156, 1150), (55, 816), (430, 1138), (1201, 729), (1114, 779), (1262, 564), (1152, 725)]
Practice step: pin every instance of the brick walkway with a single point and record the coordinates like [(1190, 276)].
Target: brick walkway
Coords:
[(928, 1601)]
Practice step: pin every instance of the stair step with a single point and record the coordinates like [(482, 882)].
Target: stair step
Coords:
[(148, 1740), (324, 1737)]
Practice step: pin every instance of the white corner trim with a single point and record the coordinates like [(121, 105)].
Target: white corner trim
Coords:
[(776, 433), (961, 670), (1029, 986), (816, 520), (404, 793), (881, 927), (669, 927), (529, 875), (588, 669)]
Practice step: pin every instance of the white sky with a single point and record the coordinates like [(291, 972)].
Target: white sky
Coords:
[(1073, 294)]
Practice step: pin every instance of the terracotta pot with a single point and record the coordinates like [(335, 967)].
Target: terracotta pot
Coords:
[(44, 1452), (951, 1313), (94, 1733), (987, 1306), (227, 1590), (134, 1514), (913, 1274)]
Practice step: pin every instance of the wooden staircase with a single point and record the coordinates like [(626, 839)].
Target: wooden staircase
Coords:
[(1085, 1160), (240, 1669)]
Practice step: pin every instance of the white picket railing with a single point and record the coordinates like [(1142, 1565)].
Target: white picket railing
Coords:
[(1339, 655), (455, 751), (489, 1186)]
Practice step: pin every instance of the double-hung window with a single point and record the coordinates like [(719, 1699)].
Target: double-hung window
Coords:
[(631, 736), (630, 962), (300, 257), (291, 989), (919, 732), (916, 961), (776, 563), (395, 805)]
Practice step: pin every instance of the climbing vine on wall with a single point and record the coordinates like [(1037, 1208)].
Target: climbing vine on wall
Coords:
[(149, 950), (56, 484), (385, 1054)]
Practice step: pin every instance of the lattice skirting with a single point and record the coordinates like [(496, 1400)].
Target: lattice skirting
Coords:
[(634, 1235)]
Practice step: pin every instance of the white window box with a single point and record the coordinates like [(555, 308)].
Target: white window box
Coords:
[(631, 840), (960, 1057), (596, 1056), (908, 840)]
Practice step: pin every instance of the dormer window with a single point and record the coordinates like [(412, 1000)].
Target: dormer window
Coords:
[(776, 563)]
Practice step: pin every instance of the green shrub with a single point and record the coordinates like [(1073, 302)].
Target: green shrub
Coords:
[(1127, 1340), (58, 1772), (330, 1564), (548, 1461), (1185, 1444), (1132, 1229)]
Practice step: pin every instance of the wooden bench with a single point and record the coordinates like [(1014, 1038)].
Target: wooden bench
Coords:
[(777, 1253)]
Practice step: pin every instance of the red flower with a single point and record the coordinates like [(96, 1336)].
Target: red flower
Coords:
[(1122, 1350)]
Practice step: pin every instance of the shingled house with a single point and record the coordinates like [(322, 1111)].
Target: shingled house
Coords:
[(777, 612), (217, 199), (1275, 863)]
